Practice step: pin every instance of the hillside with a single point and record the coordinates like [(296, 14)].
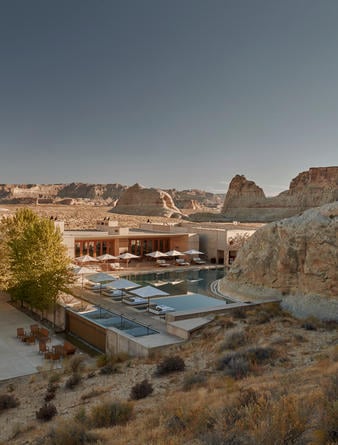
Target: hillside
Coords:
[(260, 377)]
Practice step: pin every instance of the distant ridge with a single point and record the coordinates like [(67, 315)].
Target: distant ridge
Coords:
[(96, 194)]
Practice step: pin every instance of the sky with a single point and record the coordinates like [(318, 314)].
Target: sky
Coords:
[(167, 93)]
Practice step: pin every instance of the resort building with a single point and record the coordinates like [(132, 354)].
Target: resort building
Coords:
[(108, 237)]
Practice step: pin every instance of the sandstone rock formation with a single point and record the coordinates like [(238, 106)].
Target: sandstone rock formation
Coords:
[(245, 201), (96, 194), (138, 200), (295, 259)]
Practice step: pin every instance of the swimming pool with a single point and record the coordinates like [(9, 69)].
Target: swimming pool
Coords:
[(188, 302), (109, 319), (181, 282)]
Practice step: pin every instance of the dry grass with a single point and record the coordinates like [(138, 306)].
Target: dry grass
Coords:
[(289, 395)]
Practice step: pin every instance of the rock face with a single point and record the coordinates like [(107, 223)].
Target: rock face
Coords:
[(294, 259), (138, 200), (245, 201)]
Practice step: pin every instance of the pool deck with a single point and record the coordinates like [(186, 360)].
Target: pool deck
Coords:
[(18, 358)]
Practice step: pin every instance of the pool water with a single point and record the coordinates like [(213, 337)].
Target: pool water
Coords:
[(108, 319), (189, 302), (180, 282)]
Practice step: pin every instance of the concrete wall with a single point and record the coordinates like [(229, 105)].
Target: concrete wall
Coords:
[(118, 342)]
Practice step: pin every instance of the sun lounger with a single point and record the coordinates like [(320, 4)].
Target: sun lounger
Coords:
[(182, 262), (135, 301), (116, 266), (198, 261), (162, 263), (160, 309)]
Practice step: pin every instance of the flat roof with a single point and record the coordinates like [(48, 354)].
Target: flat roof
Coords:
[(132, 233)]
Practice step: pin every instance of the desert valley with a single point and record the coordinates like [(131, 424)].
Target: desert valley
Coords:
[(263, 370)]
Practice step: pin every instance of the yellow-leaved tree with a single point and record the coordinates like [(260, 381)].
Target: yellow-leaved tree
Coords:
[(33, 259)]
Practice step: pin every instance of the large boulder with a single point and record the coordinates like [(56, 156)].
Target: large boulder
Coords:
[(138, 200), (245, 201), (294, 259)]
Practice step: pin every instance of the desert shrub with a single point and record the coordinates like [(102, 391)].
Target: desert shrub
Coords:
[(46, 412), (70, 432), (54, 378), (102, 360), (73, 381), (109, 414), (260, 354), (229, 438), (239, 313), (233, 340), (108, 369), (234, 364), (76, 364), (7, 401), (51, 390), (93, 393), (141, 390), (175, 424), (105, 359), (91, 374), (192, 380), (308, 326), (170, 364)]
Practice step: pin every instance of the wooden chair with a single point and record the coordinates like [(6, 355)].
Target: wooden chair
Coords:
[(43, 348), (34, 329), (58, 349), (68, 348), (29, 339), (20, 333), (44, 334)]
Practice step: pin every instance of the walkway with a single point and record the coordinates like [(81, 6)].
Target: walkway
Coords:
[(17, 358)]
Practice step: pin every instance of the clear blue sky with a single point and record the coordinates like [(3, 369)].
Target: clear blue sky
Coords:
[(167, 93)]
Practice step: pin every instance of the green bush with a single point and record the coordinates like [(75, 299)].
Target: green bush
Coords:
[(141, 390), (109, 414), (170, 364)]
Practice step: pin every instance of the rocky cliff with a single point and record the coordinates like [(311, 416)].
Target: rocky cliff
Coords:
[(294, 259), (138, 200), (245, 201), (98, 194)]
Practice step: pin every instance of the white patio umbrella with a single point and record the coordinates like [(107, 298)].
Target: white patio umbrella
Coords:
[(101, 277), (193, 252), (174, 253), (148, 291), (128, 256), (123, 284), (106, 257), (82, 271), (156, 254), (85, 259)]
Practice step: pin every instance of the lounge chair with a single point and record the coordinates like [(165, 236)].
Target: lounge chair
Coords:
[(135, 301), (160, 309), (198, 261), (162, 263), (182, 262), (116, 266)]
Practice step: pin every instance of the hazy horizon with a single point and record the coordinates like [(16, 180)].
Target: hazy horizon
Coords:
[(182, 94)]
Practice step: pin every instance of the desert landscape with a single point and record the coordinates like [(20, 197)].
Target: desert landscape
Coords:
[(254, 376)]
